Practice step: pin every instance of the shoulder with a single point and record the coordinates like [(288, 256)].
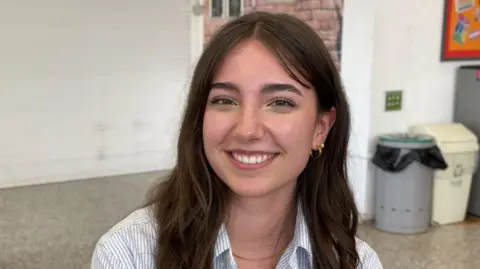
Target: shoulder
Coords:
[(127, 245), (368, 257)]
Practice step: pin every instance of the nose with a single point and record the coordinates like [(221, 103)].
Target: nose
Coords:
[(248, 125)]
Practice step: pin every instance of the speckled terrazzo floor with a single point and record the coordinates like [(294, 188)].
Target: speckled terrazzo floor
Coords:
[(55, 227)]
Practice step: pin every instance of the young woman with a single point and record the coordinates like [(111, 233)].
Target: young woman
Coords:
[(260, 179)]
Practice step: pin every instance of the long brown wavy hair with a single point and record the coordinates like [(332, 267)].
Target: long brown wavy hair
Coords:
[(191, 203)]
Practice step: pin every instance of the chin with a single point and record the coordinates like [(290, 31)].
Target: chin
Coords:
[(250, 192), (256, 188)]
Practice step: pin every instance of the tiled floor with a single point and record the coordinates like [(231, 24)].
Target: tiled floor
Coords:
[(447, 247), (55, 227)]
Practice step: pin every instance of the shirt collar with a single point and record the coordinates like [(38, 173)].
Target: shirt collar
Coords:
[(222, 243), (301, 240), (301, 237)]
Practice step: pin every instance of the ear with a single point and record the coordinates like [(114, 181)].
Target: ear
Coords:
[(324, 123)]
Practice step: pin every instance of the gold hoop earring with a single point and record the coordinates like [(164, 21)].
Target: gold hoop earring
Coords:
[(320, 149)]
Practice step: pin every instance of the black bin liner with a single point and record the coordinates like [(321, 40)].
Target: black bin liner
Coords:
[(397, 158)]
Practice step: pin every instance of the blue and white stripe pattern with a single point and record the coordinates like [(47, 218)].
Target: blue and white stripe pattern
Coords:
[(131, 245)]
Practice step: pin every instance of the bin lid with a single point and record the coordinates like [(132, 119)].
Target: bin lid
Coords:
[(406, 140), (451, 137)]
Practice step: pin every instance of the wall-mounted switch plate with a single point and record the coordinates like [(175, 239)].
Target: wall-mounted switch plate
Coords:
[(393, 100)]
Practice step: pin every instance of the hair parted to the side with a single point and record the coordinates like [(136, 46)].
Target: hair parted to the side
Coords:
[(191, 203)]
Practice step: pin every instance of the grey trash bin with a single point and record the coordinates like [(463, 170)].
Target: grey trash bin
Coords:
[(404, 181)]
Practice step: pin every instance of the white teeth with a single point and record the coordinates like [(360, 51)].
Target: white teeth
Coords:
[(252, 159)]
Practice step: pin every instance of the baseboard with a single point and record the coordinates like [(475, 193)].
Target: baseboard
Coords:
[(65, 171), (365, 218)]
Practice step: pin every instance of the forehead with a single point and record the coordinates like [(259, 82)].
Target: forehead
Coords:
[(250, 64)]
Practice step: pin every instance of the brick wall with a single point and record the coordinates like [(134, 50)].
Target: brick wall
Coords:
[(320, 14)]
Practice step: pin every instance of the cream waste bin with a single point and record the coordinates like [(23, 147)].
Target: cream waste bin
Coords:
[(451, 187)]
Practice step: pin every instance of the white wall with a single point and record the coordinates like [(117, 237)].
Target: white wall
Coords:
[(356, 69), (389, 45), (90, 88)]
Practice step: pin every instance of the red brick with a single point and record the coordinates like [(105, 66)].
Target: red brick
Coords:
[(330, 45), (331, 34), (305, 15), (284, 8), (324, 15), (309, 4), (277, 8), (327, 4), (333, 39), (322, 25), (269, 8), (328, 35)]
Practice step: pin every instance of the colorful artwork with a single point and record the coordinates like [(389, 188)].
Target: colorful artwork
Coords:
[(462, 5), (461, 30)]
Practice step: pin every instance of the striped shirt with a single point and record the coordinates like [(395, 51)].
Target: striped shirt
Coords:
[(131, 244)]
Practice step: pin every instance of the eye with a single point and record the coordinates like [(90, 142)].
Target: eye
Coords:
[(283, 102), (222, 101)]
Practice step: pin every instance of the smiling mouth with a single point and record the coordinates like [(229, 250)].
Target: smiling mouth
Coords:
[(250, 160)]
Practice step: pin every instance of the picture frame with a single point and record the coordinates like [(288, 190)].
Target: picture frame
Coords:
[(461, 30)]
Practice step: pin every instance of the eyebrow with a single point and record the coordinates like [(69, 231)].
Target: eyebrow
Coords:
[(266, 88)]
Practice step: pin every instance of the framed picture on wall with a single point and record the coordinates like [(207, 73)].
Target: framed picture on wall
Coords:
[(461, 30)]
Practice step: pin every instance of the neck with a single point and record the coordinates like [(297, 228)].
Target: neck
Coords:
[(261, 228)]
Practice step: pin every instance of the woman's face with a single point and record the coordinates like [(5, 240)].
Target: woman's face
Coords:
[(260, 125)]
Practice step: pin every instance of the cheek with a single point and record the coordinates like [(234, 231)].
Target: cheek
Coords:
[(297, 130), (215, 128)]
